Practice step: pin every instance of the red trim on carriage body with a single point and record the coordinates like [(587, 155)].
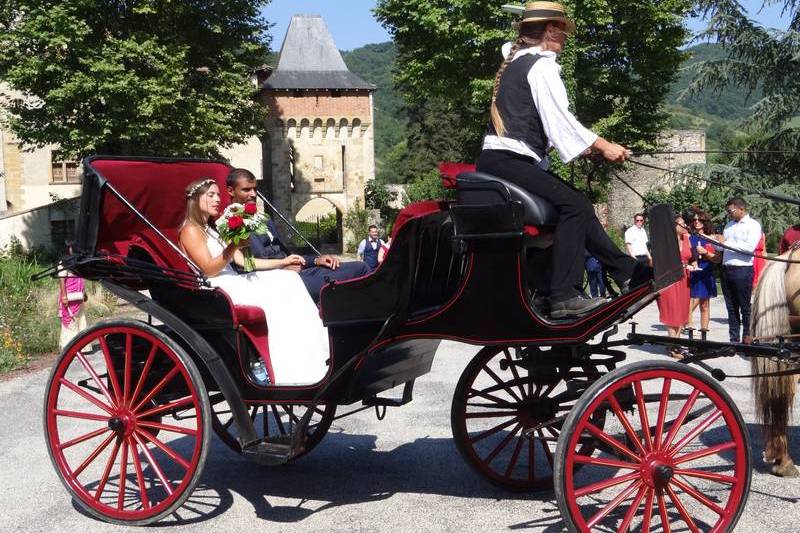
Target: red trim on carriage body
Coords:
[(452, 300)]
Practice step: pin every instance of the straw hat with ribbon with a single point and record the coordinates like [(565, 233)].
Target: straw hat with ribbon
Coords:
[(542, 12)]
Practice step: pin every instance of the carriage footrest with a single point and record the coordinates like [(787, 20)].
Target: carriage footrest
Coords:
[(375, 401), (268, 453)]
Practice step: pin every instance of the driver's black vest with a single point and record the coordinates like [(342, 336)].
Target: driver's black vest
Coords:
[(515, 104)]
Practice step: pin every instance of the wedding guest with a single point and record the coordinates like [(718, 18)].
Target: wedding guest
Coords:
[(702, 283), (71, 300), (673, 301)]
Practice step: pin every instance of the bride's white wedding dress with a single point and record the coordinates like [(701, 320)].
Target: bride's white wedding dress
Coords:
[(298, 342)]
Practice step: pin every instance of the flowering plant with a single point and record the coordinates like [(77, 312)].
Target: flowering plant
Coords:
[(237, 223)]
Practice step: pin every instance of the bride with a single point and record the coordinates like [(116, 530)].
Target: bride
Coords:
[(298, 342)]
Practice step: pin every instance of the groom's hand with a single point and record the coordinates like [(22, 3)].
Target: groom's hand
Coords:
[(328, 261)]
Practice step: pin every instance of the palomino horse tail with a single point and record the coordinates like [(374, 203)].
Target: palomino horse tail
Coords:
[(774, 395)]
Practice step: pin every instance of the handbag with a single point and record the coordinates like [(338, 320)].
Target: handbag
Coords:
[(76, 296)]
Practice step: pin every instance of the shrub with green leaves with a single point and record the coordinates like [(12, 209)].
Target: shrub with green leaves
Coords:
[(29, 323)]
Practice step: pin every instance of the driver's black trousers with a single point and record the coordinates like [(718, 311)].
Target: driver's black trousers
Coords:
[(578, 228)]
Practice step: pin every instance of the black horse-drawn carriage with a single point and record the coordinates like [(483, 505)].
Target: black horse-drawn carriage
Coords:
[(131, 404)]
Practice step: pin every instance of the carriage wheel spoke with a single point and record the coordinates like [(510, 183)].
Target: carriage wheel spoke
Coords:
[(626, 522), (86, 396), (607, 439), (491, 414), (92, 456), (166, 427), (137, 465), (112, 373), (648, 511), (490, 397), (126, 381), (679, 420), (123, 476), (613, 504), (160, 385), (601, 461), (82, 416), (492, 431), (662, 511), (503, 443), (615, 406), (166, 407), (515, 456), (702, 426), (90, 369), (166, 449), (662, 412), (278, 420), (154, 465), (547, 452), (704, 453), (710, 476), (513, 368), (82, 438), (531, 459), (694, 493), (643, 418), (606, 484), (682, 510), (107, 471), (501, 385), (145, 371)]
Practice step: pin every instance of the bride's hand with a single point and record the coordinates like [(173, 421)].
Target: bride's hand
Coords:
[(294, 262)]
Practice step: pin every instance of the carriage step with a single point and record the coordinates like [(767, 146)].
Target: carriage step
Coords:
[(269, 453), (375, 401)]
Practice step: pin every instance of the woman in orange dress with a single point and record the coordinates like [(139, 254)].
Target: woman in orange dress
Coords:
[(673, 301)]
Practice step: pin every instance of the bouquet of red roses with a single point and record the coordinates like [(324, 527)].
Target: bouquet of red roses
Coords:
[(237, 223)]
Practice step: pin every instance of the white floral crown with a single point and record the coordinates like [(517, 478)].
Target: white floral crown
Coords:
[(197, 186)]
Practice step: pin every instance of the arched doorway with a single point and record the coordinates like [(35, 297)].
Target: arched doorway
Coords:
[(320, 221)]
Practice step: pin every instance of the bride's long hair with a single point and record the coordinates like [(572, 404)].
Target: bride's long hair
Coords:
[(194, 215)]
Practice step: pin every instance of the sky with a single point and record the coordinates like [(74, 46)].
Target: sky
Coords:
[(353, 25)]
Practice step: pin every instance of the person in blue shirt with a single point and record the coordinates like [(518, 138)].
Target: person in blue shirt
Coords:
[(314, 270)]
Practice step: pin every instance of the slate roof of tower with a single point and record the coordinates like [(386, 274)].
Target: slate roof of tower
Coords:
[(309, 59)]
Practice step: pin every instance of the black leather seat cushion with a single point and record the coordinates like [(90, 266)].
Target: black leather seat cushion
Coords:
[(478, 188)]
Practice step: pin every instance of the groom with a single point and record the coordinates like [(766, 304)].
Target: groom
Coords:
[(317, 270)]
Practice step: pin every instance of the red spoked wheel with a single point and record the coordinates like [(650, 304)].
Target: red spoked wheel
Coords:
[(275, 422), (508, 409), (127, 422), (674, 454)]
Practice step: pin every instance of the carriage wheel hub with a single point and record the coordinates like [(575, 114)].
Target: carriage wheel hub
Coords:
[(657, 471), (122, 423), (537, 411)]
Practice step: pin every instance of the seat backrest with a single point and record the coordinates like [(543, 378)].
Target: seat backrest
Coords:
[(478, 188)]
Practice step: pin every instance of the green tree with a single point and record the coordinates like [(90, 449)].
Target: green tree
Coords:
[(142, 77), (619, 66), (766, 63)]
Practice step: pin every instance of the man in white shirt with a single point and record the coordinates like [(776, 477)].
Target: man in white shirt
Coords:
[(743, 234), (636, 240), (530, 116)]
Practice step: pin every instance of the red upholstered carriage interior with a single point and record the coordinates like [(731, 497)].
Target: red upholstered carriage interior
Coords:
[(450, 171), (156, 188)]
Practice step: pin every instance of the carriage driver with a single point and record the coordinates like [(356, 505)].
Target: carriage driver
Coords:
[(315, 271), (530, 116)]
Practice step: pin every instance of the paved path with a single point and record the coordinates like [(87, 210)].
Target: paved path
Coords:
[(403, 474)]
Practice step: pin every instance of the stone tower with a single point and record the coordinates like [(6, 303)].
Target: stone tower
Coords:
[(319, 151)]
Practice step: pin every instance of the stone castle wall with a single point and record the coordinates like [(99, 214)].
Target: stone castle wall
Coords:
[(331, 142), (624, 203)]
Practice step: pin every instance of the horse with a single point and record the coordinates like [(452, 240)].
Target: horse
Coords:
[(776, 313)]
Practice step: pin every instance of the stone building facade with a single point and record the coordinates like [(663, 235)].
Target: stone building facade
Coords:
[(319, 149), (623, 203)]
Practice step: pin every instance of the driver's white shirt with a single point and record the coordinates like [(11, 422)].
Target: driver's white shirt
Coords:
[(563, 130)]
